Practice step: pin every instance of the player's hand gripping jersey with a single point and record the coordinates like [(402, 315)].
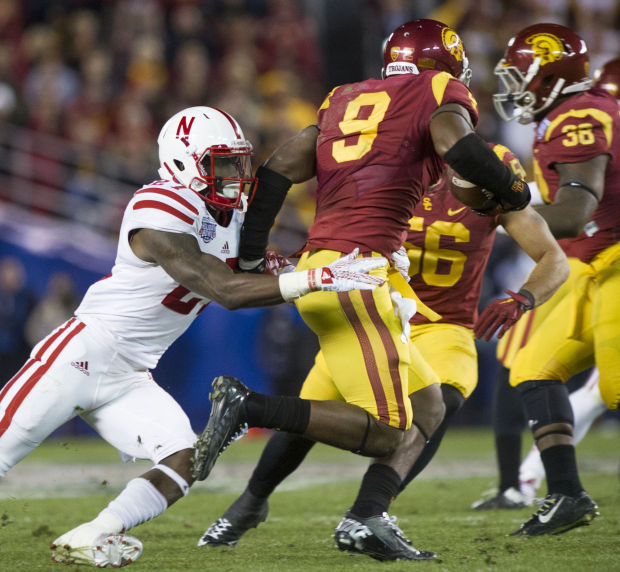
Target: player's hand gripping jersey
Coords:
[(579, 129), (375, 158), (139, 307)]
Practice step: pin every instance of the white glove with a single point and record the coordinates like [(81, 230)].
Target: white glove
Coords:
[(346, 273), (404, 308), (401, 262)]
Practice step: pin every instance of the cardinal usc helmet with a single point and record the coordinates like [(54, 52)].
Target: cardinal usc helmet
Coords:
[(607, 77), (541, 62), (204, 149), (425, 44)]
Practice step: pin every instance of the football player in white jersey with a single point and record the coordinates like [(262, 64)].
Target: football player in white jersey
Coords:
[(178, 244)]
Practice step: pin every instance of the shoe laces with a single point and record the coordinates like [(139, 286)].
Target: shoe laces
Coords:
[(219, 527), (391, 522), (546, 504)]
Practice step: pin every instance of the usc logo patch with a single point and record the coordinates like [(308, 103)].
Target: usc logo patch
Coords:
[(452, 43), (406, 54), (547, 47)]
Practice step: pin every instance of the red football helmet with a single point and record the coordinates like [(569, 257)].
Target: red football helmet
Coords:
[(541, 62), (607, 77), (426, 44)]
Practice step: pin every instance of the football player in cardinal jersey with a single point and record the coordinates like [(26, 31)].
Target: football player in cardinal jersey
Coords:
[(444, 256), (378, 145), (448, 247), (577, 168), (176, 240), (519, 485)]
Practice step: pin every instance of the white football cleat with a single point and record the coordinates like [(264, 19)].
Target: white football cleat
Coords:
[(86, 544)]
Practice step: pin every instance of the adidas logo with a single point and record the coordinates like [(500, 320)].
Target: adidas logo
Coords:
[(81, 365), (225, 248)]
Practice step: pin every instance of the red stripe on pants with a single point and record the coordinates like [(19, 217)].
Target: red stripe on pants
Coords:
[(10, 383), (5, 422), (391, 354), (369, 358)]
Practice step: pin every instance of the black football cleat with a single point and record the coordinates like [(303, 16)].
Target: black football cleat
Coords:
[(378, 537), (559, 513), (246, 512), (227, 423)]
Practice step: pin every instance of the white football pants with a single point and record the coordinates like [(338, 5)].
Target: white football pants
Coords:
[(71, 373)]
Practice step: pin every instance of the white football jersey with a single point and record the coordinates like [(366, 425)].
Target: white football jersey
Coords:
[(139, 308)]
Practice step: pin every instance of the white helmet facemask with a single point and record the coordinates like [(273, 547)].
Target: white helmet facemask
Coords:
[(519, 102)]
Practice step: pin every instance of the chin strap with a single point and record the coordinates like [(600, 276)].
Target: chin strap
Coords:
[(243, 203)]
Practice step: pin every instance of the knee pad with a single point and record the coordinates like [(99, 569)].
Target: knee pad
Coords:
[(546, 403), (178, 479)]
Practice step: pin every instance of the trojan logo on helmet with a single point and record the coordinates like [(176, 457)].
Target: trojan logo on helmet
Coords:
[(452, 42), (547, 47), (541, 63)]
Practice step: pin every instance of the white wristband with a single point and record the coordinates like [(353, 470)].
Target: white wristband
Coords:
[(294, 285)]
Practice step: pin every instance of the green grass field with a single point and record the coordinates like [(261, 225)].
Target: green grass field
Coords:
[(65, 483)]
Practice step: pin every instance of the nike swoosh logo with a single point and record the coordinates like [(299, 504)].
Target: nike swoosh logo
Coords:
[(457, 211), (544, 518)]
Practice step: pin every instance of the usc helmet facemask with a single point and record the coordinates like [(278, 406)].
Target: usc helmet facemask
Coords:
[(541, 62), (425, 44), (607, 77), (203, 149)]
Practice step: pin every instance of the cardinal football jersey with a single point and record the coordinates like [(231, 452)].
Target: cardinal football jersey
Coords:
[(375, 158), (448, 247), (139, 308), (579, 129)]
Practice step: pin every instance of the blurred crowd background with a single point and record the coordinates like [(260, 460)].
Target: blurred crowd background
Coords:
[(86, 85)]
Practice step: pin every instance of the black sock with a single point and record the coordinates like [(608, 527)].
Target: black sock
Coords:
[(561, 470), (379, 486), (283, 453), (508, 450), (290, 414)]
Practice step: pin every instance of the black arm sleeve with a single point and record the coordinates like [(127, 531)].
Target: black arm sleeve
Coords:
[(474, 160), (268, 199)]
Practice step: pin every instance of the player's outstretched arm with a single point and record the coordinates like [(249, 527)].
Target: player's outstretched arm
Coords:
[(178, 254), (533, 235)]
